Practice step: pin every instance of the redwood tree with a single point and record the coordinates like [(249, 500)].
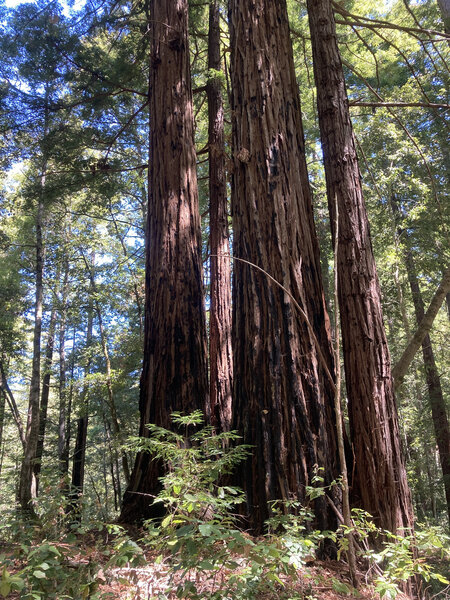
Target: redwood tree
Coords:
[(379, 483), (282, 394), (220, 353), (174, 375)]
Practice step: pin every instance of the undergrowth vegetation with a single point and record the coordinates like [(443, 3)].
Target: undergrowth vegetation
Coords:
[(201, 542)]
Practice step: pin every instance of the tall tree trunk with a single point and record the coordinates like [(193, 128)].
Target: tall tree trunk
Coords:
[(43, 409), (64, 410), (27, 482), (283, 397), (2, 424), (108, 373), (379, 485), (437, 402), (79, 453), (220, 353), (174, 375)]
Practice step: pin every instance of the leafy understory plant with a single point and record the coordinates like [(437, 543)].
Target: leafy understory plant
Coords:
[(401, 558), (210, 557), (39, 566)]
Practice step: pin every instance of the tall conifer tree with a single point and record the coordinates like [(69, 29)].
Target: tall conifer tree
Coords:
[(379, 482), (174, 375), (282, 393)]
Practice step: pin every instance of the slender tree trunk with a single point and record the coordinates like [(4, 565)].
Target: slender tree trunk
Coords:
[(2, 425), (134, 277), (64, 419), (423, 329), (174, 375), (283, 397), (424, 322), (79, 454), (113, 465), (220, 353), (379, 485), (437, 402), (27, 482), (45, 395), (12, 404), (108, 373)]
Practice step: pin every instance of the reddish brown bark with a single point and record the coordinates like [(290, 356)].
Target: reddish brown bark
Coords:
[(379, 483), (283, 399), (174, 375), (220, 353)]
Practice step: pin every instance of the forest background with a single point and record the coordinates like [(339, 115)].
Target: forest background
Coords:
[(74, 148)]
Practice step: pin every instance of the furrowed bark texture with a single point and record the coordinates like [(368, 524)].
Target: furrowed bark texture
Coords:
[(174, 375), (379, 483), (283, 400), (220, 353)]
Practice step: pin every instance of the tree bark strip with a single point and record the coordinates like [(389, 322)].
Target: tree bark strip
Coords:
[(220, 353), (174, 375), (283, 398), (379, 483)]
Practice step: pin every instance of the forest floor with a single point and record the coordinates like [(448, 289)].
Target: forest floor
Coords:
[(91, 559), (318, 581)]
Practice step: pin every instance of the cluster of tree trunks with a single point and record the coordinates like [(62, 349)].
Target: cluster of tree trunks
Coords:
[(271, 364), (283, 388)]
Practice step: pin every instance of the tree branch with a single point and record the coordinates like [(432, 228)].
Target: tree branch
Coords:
[(12, 404), (400, 369), (399, 104)]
